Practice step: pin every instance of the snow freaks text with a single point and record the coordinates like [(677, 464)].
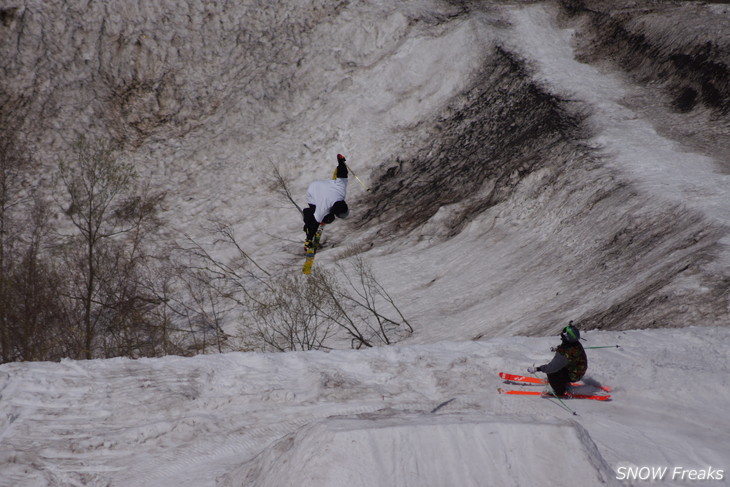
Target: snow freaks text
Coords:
[(668, 473)]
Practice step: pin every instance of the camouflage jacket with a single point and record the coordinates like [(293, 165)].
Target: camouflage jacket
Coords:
[(570, 355)]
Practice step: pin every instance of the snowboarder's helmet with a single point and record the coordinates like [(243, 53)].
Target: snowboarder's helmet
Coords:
[(340, 158), (340, 209), (570, 334)]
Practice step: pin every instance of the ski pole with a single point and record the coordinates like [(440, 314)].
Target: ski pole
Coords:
[(607, 346), (562, 403), (565, 406), (358, 179)]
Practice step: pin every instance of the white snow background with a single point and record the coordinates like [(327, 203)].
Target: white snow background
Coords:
[(424, 412)]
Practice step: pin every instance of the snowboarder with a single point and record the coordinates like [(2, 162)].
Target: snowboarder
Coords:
[(569, 363), (326, 199)]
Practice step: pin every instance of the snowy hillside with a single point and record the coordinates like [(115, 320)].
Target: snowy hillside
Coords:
[(577, 190), (529, 163)]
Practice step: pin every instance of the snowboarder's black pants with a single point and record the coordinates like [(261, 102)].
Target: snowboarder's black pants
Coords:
[(310, 224), (559, 381)]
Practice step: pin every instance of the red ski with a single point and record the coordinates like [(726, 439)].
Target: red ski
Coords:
[(523, 379), (595, 397)]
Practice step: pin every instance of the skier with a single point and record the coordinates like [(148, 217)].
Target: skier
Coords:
[(326, 199), (569, 363)]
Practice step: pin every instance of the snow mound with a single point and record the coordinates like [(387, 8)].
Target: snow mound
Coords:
[(437, 450)]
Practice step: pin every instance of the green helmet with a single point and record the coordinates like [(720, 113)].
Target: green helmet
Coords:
[(570, 333)]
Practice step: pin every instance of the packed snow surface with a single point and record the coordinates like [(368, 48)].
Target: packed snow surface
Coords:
[(420, 415)]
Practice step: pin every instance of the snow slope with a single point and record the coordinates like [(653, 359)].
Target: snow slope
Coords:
[(425, 415), (533, 185)]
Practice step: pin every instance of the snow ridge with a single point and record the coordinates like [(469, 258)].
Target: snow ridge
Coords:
[(234, 419)]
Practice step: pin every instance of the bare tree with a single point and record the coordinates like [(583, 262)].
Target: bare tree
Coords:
[(111, 219), (211, 289), (35, 306), (161, 280), (32, 328), (14, 166), (285, 312), (280, 185), (368, 298), (31, 325), (312, 312), (358, 299), (293, 313)]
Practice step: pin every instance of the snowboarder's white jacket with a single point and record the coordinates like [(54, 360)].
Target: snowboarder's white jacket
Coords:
[(325, 193)]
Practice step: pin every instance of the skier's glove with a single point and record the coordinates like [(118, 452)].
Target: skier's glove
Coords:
[(531, 370)]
